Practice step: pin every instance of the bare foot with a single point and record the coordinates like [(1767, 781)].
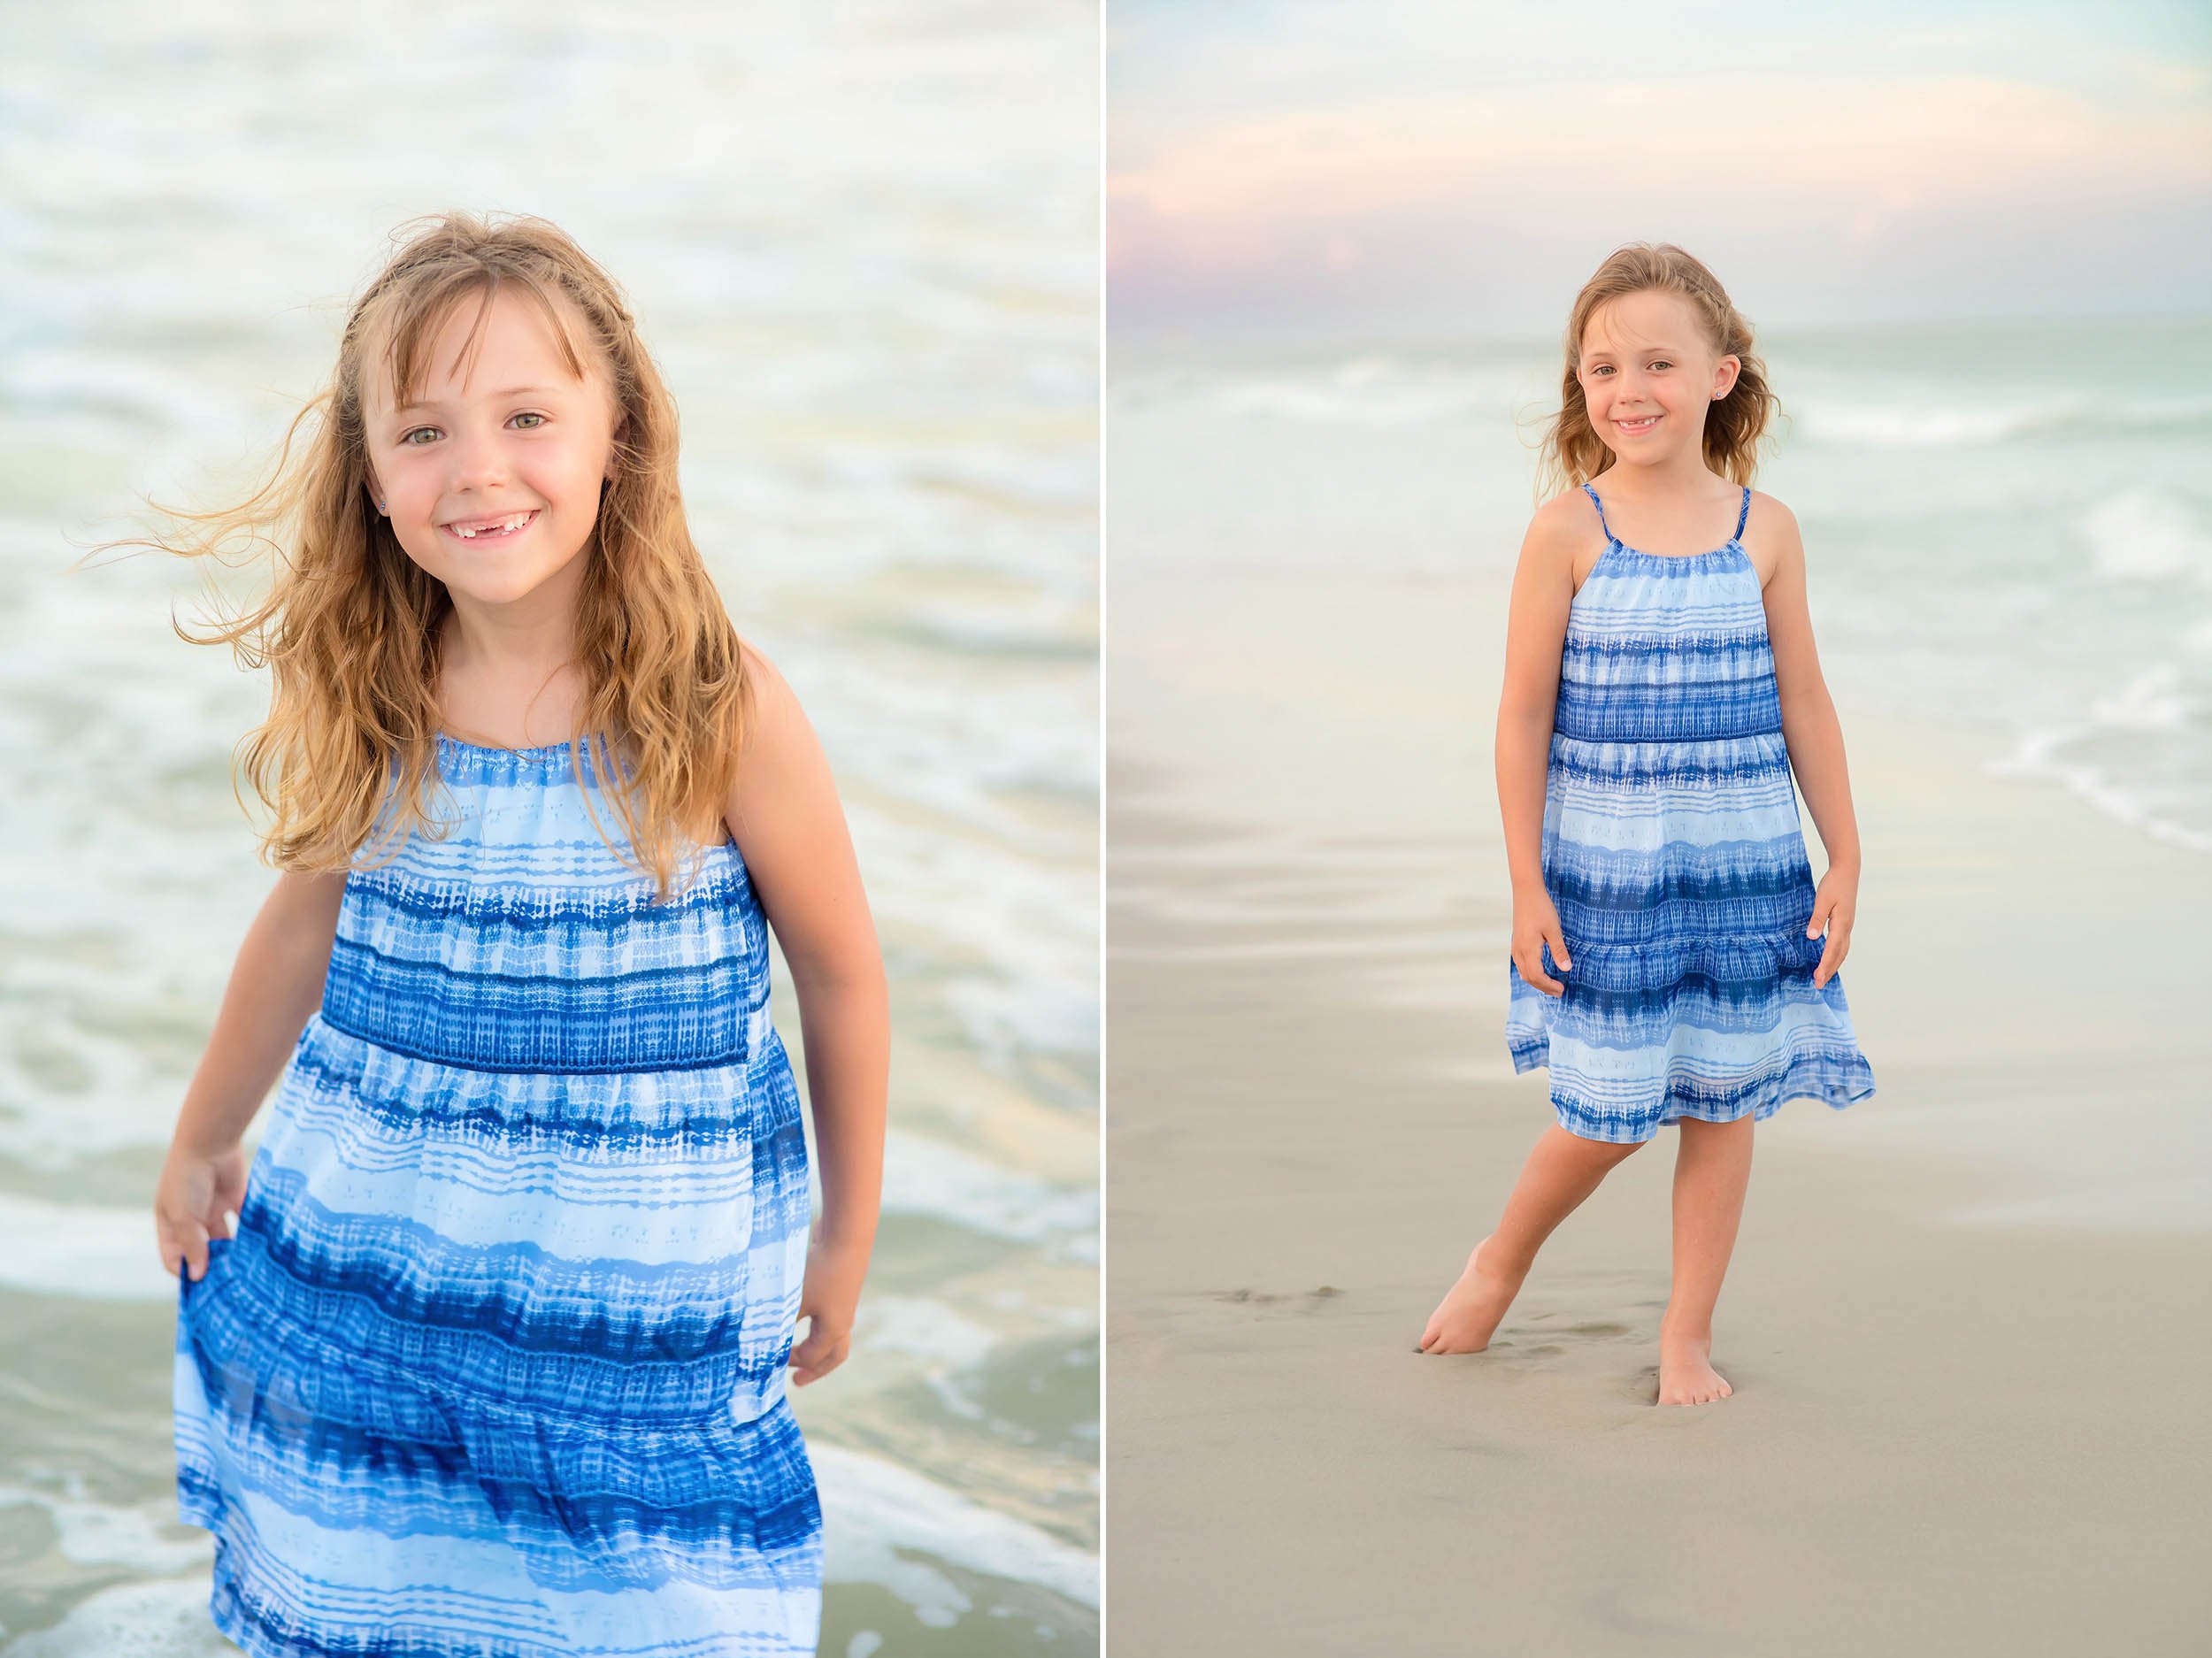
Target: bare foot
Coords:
[(1471, 1308), (1686, 1376)]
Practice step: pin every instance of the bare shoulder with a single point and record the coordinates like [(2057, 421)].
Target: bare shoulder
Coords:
[(1564, 520), (1771, 539), (779, 750), (760, 673), (1563, 526), (1562, 542), (1768, 512), (773, 718)]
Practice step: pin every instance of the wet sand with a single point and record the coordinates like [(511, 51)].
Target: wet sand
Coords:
[(1965, 1319)]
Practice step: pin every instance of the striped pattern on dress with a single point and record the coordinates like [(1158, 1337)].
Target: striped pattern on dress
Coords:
[(1673, 851), (495, 1362)]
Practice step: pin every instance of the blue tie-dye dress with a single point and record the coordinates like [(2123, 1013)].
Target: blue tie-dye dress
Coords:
[(1673, 852), (495, 1362)]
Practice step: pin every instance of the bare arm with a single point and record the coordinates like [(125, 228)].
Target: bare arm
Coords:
[(275, 984), (1810, 725), (791, 832), (1535, 633), (1813, 735), (1528, 704)]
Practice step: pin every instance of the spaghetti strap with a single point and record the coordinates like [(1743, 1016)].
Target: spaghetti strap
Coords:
[(1741, 516), (1600, 505)]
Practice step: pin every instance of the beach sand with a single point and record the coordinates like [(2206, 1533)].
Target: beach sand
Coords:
[(1965, 1319)]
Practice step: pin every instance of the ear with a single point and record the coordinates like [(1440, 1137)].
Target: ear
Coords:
[(1725, 381)]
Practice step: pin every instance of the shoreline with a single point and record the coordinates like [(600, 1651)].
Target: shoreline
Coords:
[(1313, 1116)]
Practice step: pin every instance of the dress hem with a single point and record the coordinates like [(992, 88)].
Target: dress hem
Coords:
[(1845, 1086), (227, 1611)]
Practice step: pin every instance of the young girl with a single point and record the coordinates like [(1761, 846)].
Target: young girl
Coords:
[(494, 1358), (1672, 960)]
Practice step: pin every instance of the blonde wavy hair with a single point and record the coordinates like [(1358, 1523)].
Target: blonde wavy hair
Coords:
[(1572, 453), (351, 628)]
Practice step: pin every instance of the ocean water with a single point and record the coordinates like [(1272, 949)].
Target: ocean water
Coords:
[(861, 240), (2007, 524)]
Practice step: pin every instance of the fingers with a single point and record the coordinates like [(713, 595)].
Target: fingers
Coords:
[(184, 1245), (810, 1364), (1831, 955), (1836, 924), (1536, 976), (1531, 964), (192, 1240)]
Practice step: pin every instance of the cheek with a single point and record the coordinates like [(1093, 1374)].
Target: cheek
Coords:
[(430, 557)]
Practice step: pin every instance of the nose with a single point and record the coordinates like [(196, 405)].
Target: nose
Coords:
[(1634, 406), (479, 461)]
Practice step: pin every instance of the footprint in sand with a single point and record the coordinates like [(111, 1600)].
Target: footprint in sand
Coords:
[(1309, 1301)]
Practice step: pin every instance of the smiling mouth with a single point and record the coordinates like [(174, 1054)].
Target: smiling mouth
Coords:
[(1643, 424), (492, 529)]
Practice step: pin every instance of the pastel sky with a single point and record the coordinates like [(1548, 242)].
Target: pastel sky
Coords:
[(1425, 166)]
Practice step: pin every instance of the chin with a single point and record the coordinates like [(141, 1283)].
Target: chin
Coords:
[(483, 589)]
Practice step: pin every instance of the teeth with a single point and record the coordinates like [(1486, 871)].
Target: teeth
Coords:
[(501, 526)]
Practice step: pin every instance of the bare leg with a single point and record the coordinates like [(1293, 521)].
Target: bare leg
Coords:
[(1561, 1171), (1712, 1166)]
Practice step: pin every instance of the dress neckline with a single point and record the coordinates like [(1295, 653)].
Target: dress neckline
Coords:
[(1729, 546), (1635, 559), (536, 751)]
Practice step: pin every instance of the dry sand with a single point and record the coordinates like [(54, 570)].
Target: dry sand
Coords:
[(1965, 1320)]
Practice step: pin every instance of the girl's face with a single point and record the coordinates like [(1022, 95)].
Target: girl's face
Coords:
[(1649, 375), (518, 442)]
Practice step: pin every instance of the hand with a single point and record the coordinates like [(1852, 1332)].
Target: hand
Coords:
[(1834, 903), (1535, 923), (828, 1302), (195, 1191)]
